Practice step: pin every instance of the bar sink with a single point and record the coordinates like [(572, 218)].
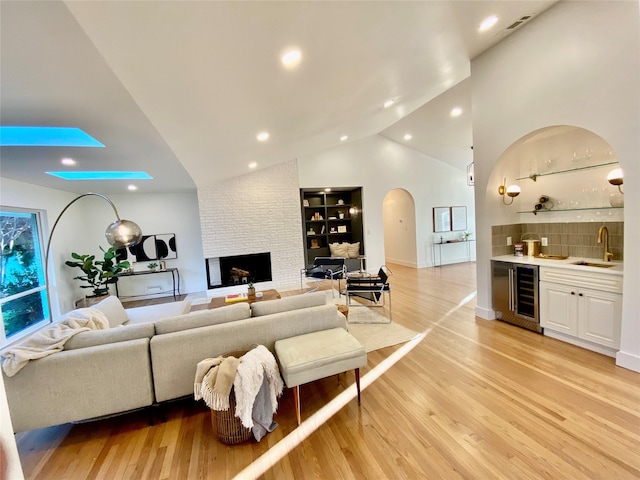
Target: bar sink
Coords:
[(591, 264)]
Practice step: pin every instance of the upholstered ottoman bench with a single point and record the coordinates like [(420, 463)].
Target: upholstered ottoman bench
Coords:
[(317, 355)]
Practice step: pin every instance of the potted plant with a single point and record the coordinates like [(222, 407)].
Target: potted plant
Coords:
[(251, 291), (98, 274), (153, 266)]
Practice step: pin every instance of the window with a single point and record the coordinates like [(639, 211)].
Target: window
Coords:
[(23, 295)]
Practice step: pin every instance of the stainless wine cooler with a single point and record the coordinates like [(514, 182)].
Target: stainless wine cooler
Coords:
[(514, 291)]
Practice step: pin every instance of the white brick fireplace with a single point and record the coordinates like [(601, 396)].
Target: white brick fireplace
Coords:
[(258, 212)]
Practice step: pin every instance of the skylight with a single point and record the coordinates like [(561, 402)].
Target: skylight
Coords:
[(46, 137), (102, 175)]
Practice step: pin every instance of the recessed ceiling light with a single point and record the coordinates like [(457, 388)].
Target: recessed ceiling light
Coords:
[(388, 103), (263, 136), (456, 112), (102, 175), (291, 57), (68, 161), (132, 187), (487, 23), (327, 189), (46, 137), (343, 138), (407, 136), (253, 165)]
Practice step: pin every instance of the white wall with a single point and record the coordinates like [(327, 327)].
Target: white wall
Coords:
[(577, 64), (255, 213), (156, 214), (379, 166)]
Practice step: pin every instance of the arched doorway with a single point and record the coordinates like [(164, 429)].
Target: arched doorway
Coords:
[(399, 226)]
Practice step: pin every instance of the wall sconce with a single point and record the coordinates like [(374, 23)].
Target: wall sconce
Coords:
[(616, 178), (353, 211), (511, 191)]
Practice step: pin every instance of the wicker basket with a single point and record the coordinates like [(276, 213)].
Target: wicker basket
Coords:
[(229, 428)]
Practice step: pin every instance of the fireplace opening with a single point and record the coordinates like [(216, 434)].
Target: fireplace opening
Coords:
[(238, 270)]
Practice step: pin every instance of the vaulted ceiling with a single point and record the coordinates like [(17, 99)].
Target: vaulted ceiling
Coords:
[(180, 89)]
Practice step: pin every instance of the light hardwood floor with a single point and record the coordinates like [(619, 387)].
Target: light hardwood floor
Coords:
[(474, 399)]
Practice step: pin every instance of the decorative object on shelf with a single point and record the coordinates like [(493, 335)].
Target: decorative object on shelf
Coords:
[(98, 274), (471, 178), (340, 202), (510, 191), (616, 177), (153, 266), (315, 243), (251, 290), (305, 203), (544, 203), (342, 229), (340, 215)]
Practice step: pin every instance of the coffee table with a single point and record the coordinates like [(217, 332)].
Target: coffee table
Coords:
[(270, 294)]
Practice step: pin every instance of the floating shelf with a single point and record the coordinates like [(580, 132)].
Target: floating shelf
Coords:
[(568, 209), (535, 176)]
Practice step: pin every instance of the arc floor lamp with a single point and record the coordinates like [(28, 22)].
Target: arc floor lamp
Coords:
[(119, 234)]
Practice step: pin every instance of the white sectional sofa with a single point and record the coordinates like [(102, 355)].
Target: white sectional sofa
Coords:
[(150, 356)]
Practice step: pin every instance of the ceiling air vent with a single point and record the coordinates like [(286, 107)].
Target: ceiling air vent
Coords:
[(519, 22)]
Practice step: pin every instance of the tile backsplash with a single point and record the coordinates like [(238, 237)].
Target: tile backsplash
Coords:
[(578, 239)]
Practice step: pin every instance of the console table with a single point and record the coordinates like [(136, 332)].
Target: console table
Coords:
[(440, 245), (175, 277)]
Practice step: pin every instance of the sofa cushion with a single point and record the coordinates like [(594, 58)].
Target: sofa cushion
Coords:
[(295, 302), (203, 318), (111, 335), (113, 310), (153, 313)]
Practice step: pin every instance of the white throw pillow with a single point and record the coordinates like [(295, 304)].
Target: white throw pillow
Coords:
[(339, 249), (113, 310), (353, 249)]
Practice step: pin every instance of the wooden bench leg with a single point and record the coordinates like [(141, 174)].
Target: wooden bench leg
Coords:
[(357, 371), (296, 399)]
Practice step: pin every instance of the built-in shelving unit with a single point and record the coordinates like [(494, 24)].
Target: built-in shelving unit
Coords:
[(330, 217)]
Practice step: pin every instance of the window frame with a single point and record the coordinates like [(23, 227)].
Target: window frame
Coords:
[(40, 246)]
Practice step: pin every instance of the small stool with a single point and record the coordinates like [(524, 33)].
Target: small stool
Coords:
[(317, 355)]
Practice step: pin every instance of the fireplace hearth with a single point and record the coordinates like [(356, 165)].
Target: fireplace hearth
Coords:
[(238, 270)]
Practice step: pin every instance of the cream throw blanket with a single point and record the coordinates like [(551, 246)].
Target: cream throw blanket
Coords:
[(213, 382), (256, 366), (52, 339)]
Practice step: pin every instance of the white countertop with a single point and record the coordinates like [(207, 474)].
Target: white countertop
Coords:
[(568, 263)]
